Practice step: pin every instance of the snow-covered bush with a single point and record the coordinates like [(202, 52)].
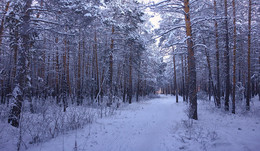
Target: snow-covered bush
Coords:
[(48, 121)]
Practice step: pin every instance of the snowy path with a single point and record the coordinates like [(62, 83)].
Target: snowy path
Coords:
[(143, 126), (157, 125)]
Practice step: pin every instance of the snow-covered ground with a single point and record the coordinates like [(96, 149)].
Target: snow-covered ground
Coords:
[(162, 125)]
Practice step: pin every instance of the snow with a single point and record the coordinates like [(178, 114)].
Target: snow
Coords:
[(161, 125), (16, 91), (87, 15)]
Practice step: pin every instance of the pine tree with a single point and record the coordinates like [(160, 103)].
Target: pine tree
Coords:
[(191, 64)]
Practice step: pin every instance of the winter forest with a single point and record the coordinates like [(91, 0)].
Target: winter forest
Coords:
[(129, 75)]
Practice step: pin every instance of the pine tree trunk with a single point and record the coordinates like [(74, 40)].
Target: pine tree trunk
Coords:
[(111, 68), (191, 64), (79, 74), (186, 80), (57, 68), (125, 89), (2, 24), (211, 84), (15, 48), (226, 57), (138, 82), (97, 71), (182, 77), (259, 79), (234, 59), (130, 91), (67, 63), (248, 97), (175, 78)]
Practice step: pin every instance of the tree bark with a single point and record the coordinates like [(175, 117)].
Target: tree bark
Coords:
[(217, 57), (211, 84), (97, 71), (234, 59), (2, 24), (79, 73), (248, 97), (111, 68), (175, 78), (183, 83), (22, 75), (191, 64), (226, 56), (138, 82), (130, 91)]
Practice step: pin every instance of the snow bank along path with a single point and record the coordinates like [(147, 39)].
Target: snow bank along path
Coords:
[(156, 125)]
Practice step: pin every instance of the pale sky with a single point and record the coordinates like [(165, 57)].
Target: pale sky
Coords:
[(156, 17)]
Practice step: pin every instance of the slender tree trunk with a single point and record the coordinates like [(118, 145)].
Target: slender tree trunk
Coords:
[(64, 76), (83, 61), (248, 97), (186, 80), (57, 78), (130, 91), (226, 56), (2, 24), (234, 59), (191, 64), (182, 77), (87, 67), (138, 82), (175, 77), (97, 71), (211, 84), (79, 73), (125, 89), (259, 79), (15, 48), (111, 68)]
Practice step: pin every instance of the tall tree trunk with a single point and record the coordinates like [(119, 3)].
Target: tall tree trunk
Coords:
[(130, 89), (226, 56), (138, 82), (22, 75), (191, 64), (234, 59), (2, 24), (125, 88), (79, 99), (57, 78), (97, 71), (186, 80), (111, 68), (67, 62), (15, 48), (175, 77), (182, 77), (64, 77), (211, 84), (259, 78), (248, 97)]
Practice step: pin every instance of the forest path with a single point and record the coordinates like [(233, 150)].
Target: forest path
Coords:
[(143, 126)]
